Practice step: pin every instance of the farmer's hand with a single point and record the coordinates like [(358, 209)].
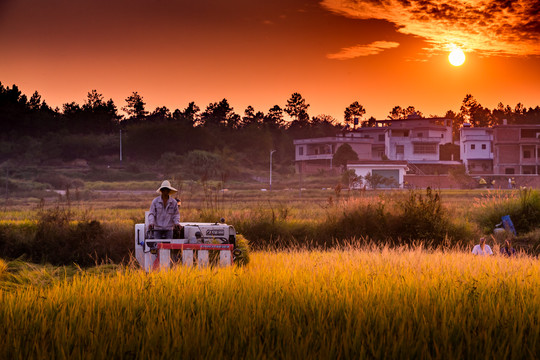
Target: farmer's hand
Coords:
[(151, 227), (178, 226)]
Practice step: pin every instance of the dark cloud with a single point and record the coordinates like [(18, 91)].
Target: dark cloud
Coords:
[(510, 27)]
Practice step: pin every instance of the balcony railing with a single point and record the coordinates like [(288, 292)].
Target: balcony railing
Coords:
[(477, 138), (426, 139), (315, 157)]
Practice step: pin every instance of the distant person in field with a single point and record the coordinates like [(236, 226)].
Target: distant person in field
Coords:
[(482, 248), (164, 216), (507, 249)]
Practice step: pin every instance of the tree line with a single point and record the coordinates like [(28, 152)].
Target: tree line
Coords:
[(216, 129)]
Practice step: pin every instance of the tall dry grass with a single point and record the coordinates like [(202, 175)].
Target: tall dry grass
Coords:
[(346, 303)]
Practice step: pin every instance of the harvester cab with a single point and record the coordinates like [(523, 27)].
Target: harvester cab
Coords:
[(195, 239)]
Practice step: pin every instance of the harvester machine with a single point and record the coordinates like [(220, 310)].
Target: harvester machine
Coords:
[(193, 246)]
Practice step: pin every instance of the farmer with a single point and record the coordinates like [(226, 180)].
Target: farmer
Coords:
[(164, 216), (507, 249), (482, 248)]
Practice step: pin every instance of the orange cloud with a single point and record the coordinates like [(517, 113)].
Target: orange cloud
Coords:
[(488, 27), (363, 50)]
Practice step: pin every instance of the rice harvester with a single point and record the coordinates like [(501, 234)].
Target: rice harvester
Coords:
[(155, 254)]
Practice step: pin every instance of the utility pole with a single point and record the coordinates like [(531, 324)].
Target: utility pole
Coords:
[(7, 180), (300, 171), (120, 146), (271, 153)]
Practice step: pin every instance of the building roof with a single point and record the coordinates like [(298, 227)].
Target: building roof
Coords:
[(378, 162), (517, 126), (412, 119), (335, 139), (367, 129)]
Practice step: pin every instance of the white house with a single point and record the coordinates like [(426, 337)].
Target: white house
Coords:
[(476, 149), (417, 140), (388, 169)]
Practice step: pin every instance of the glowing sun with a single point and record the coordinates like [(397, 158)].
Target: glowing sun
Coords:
[(456, 57)]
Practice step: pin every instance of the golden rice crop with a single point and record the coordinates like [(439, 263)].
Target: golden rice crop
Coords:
[(347, 303)]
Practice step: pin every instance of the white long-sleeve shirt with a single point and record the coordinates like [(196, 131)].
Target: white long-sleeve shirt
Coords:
[(164, 216), (477, 250)]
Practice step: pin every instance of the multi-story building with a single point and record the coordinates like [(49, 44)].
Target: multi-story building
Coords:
[(317, 153), (476, 149), (416, 140), (504, 152), (516, 149)]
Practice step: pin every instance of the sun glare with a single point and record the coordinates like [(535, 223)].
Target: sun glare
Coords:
[(456, 57)]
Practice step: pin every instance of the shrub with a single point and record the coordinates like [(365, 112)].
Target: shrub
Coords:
[(60, 241), (15, 240), (523, 208), (367, 220), (242, 244), (423, 217)]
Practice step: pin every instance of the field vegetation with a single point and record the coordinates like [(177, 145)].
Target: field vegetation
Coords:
[(349, 302), (331, 274), (67, 229)]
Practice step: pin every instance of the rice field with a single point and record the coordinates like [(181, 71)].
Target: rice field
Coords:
[(354, 302)]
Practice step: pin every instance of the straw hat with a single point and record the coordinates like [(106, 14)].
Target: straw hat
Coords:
[(167, 185)]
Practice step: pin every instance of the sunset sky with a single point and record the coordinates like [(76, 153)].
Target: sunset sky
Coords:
[(381, 53)]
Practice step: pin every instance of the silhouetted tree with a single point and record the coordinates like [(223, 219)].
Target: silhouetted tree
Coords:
[(371, 122), (35, 101), (220, 114), (323, 125), (343, 155), (500, 113), (398, 113), (274, 117), (96, 115), (135, 106), (251, 117), (297, 109), (355, 110), (477, 115), (189, 116), (161, 113)]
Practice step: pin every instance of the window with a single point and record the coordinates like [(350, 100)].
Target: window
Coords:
[(528, 133), (420, 134), (509, 170), (400, 149), (381, 137), (425, 148), (483, 146), (526, 154), (300, 150), (473, 146)]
